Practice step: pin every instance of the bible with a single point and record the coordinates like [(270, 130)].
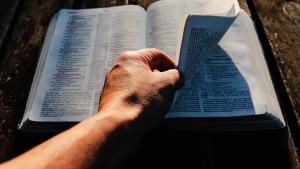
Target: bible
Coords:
[(228, 86)]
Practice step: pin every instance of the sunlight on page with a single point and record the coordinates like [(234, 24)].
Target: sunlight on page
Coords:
[(224, 85)]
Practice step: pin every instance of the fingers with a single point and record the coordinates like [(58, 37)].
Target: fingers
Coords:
[(153, 58), (175, 78), (159, 61)]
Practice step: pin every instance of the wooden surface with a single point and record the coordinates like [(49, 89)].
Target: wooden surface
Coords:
[(281, 22), (22, 31)]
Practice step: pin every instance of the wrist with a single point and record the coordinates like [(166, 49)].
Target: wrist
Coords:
[(129, 108), (120, 115)]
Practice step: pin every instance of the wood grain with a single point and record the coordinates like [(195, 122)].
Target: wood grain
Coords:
[(18, 66), (8, 17), (281, 22)]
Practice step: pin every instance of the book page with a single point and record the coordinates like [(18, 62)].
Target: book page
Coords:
[(260, 66), (224, 85), (85, 44), (164, 20), (200, 35)]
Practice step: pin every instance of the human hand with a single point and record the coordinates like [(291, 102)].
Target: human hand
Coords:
[(142, 84)]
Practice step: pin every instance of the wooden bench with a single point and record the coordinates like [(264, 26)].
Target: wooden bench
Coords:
[(22, 32)]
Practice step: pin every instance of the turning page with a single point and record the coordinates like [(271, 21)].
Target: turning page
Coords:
[(225, 84)]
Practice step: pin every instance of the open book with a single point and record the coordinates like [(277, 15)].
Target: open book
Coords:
[(228, 84)]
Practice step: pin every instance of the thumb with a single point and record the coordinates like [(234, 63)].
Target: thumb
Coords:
[(175, 77)]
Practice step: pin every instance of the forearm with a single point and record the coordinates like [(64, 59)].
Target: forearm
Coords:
[(103, 140)]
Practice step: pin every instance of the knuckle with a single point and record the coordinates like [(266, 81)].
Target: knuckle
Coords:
[(126, 56)]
